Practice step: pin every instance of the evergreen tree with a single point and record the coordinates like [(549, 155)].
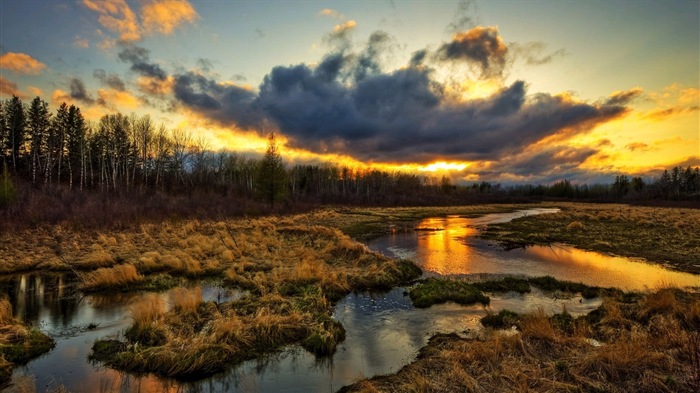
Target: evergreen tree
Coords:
[(39, 121), (271, 177), (16, 130)]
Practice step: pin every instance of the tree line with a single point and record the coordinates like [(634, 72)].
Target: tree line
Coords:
[(125, 155)]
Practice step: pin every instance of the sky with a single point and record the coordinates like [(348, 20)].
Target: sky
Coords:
[(500, 91)]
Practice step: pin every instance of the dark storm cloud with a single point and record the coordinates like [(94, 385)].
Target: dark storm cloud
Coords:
[(78, 91), (481, 45), (111, 80), (140, 62), (224, 103), (368, 60), (348, 105), (403, 117)]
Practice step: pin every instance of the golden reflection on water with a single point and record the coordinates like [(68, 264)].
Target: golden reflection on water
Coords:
[(444, 247), (444, 252)]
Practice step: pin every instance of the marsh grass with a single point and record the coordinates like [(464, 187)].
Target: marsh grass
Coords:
[(294, 274), (435, 291), (652, 351), (18, 343), (120, 276)]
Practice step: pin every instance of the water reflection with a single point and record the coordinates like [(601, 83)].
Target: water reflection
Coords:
[(454, 250)]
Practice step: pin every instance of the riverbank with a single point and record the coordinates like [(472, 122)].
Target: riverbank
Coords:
[(669, 236)]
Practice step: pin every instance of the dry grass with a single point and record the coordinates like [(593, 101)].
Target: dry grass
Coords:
[(186, 299), (18, 342), (293, 272), (111, 277), (643, 354), (147, 311)]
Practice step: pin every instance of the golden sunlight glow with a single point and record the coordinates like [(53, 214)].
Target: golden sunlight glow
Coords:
[(480, 88), (444, 166)]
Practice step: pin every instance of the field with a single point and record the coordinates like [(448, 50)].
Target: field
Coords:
[(294, 268)]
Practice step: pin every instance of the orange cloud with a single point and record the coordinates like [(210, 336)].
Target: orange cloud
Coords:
[(154, 86), (345, 26), (22, 63), (35, 91), (9, 88), (660, 114), (59, 96), (117, 16), (164, 16), (116, 98), (330, 12)]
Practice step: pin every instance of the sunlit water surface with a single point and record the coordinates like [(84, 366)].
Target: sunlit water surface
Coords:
[(384, 331)]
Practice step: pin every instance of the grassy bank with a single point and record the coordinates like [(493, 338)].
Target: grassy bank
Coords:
[(293, 274), (18, 342), (664, 235), (437, 290), (647, 343)]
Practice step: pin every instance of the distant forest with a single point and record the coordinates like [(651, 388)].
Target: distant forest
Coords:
[(57, 166)]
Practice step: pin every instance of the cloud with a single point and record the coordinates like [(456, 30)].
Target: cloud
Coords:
[(463, 16), (164, 16), (60, 96), (331, 13), (344, 27), (534, 53), (117, 16), (139, 59), (111, 80), (661, 114), (638, 146), (551, 164), (21, 63), (80, 42), (9, 88), (624, 97), (482, 45), (348, 105), (78, 91), (35, 91), (223, 103), (154, 86), (117, 99), (157, 16)]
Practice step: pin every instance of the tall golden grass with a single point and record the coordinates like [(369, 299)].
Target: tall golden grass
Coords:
[(117, 276)]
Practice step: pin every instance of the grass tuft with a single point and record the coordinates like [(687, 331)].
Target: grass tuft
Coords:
[(436, 291)]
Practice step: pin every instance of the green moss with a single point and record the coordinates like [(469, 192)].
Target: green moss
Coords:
[(507, 284), (323, 340), (503, 320), (436, 291), (34, 345), (548, 283)]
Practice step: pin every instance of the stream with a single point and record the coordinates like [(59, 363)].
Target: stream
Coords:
[(384, 331)]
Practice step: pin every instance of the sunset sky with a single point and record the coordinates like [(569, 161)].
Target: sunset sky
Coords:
[(505, 91)]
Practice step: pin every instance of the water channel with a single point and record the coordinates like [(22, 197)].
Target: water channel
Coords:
[(384, 331)]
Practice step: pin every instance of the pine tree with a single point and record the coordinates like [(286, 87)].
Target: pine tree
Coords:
[(39, 121), (271, 177), (16, 129)]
